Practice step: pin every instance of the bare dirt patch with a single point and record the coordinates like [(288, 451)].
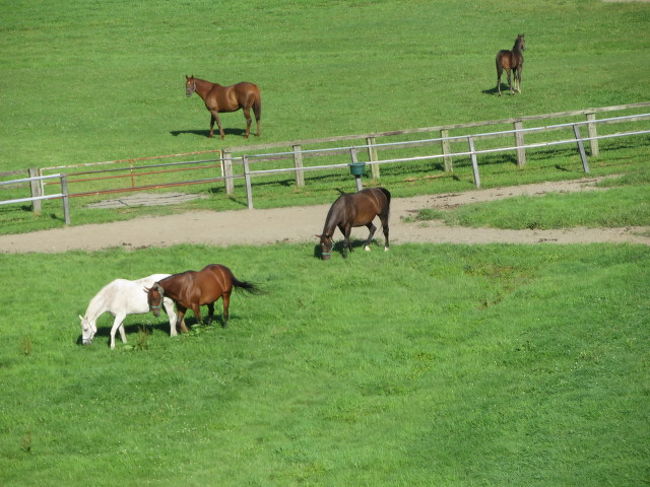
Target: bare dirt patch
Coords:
[(300, 224)]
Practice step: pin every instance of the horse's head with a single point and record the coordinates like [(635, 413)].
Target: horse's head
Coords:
[(88, 330), (521, 41), (154, 297), (326, 244), (190, 85)]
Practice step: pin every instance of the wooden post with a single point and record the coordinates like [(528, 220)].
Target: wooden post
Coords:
[(36, 188), (519, 142), (581, 148), (477, 177), (249, 186), (66, 203), (446, 150), (297, 162), (372, 157), (226, 162), (593, 143)]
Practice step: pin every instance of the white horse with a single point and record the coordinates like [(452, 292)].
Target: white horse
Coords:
[(122, 297)]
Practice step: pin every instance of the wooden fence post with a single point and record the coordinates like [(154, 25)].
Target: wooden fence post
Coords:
[(372, 157), (581, 148), (249, 186), (226, 169), (297, 162), (477, 177), (519, 141), (66, 203), (593, 143), (446, 150), (36, 188)]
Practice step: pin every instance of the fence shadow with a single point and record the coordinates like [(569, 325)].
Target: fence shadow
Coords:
[(205, 133)]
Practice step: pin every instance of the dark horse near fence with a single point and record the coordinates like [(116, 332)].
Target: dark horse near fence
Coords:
[(219, 98), (511, 61), (355, 210), (193, 289)]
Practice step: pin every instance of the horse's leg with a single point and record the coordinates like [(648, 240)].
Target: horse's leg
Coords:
[(384, 227), (345, 230), (196, 308), (373, 229), (257, 109), (212, 119), (509, 72), (180, 317), (249, 121), (220, 127), (169, 309), (499, 73), (519, 70), (215, 116), (226, 306), (210, 312), (117, 325)]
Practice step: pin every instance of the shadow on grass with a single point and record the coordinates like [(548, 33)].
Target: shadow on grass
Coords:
[(206, 133)]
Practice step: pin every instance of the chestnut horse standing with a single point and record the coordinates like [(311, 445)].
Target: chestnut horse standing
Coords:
[(219, 98), (355, 210), (191, 289), (511, 61)]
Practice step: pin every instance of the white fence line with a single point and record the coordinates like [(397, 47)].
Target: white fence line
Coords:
[(473, 153), (36, 199)]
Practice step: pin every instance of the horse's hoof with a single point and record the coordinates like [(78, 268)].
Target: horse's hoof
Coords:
[(385, 249), (366, 248)]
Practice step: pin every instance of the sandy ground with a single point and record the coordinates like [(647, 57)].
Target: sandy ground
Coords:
[(300, 224)]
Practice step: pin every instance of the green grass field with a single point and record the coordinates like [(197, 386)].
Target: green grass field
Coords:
[(427, 365), (91, 82)]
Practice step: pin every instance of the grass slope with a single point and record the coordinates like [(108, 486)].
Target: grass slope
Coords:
[(86, 81), (427, 365)]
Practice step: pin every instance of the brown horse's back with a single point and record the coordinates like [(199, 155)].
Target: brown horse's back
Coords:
[(213, 280), (366, 204)]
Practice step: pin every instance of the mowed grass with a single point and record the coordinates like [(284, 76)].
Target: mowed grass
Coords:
[(92, 82), (617, 202), (83, 83), (426, 365)]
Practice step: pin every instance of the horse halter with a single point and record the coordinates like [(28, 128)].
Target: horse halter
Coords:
[(161, 291)]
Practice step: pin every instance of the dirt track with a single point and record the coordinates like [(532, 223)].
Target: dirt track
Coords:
[(300, 224)]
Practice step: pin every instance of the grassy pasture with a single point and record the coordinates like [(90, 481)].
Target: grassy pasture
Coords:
[(427, 365), (89, 82), (86, 82)]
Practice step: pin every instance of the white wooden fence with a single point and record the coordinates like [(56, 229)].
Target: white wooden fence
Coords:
[(37, 194)]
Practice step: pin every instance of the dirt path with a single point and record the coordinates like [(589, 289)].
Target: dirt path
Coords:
[(300, 224)]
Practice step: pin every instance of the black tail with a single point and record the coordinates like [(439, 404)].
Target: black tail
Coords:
[(387, 193), (247, 286)]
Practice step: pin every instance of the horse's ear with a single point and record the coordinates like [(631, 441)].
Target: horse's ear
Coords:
[(146, 290), (159, 289), (318, 236)]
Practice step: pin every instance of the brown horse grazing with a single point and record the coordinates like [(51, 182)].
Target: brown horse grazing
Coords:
[(355, 210), (511, 60), (219, 98), (193, 289)]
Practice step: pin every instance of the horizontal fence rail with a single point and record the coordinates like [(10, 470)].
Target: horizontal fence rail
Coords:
[(36, 199), (235, 163), (473, 153)]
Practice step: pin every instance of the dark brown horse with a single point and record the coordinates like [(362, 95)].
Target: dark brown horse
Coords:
[(219, 98), (511, 61), (193, 289), (355, 210)]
